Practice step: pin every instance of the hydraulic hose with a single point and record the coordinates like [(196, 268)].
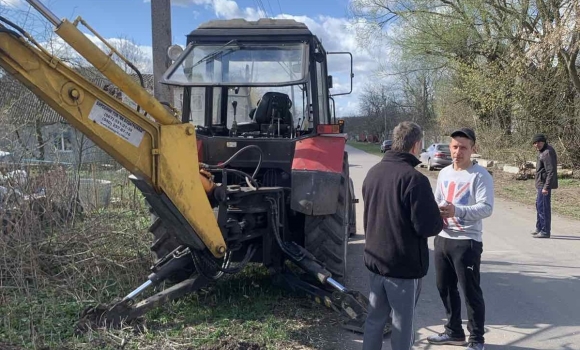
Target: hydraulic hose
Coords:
[(11, 32), (235, 155), (243, 174), (11, 24), (225, 268)]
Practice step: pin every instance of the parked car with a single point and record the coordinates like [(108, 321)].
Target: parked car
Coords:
[(386, 145), (438, 155)]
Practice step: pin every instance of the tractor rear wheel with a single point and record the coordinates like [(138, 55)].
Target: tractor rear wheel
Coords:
[(352, 212), (326, 236), (164, 242)]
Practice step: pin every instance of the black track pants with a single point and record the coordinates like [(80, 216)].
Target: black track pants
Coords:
[(458, 260)]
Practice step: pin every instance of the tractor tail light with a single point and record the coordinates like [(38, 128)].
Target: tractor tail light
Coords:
[(328, 129)]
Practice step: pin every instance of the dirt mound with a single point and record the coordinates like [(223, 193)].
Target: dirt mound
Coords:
[(233, 344)]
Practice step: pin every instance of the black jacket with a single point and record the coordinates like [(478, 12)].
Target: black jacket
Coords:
[(400, 213), (546, 168)]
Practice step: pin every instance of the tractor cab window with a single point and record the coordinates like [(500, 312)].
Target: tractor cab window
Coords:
[(250, 111), (236, 64), (253, 86), (239, 105)]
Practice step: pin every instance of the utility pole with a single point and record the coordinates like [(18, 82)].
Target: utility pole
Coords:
[(161, 40)]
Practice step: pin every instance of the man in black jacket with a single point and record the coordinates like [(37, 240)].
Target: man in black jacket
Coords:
[(546, 181), (400, 213)]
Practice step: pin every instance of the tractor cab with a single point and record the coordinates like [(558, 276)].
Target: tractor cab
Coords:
[(260, 79), (258, 95)]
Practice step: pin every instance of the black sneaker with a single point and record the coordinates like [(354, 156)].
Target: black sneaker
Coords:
[(475, 346), (446, 339), (541, 235)]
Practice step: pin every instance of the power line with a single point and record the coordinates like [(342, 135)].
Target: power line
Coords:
[(264, 8), (261, 7), (280, 7), (270, 6)]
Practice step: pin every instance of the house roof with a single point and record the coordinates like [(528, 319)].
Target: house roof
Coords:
[(20, 106)]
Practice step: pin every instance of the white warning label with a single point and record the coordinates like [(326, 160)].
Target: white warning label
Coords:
[(115, 122)]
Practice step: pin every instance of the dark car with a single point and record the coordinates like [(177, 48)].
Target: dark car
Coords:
[(438, 155), (386, 145)]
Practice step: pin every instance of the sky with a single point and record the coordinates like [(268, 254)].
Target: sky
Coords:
[(328, 19)]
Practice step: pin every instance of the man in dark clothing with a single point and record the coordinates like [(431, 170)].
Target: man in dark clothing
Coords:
[(400, 213), (546, 181)]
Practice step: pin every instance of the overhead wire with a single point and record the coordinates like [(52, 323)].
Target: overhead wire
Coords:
[(261, 7), (270, 6)]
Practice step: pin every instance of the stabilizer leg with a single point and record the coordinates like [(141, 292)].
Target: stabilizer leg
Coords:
[(126, 311)]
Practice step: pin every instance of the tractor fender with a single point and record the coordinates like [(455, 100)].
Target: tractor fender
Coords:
[(317, 174)]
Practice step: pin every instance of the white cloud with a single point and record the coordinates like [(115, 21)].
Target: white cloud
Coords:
[(226, 9), (11, 3), (336, 35), (139, 55), (340, 35)]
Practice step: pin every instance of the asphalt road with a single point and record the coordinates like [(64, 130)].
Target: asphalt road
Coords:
[(531, 286)]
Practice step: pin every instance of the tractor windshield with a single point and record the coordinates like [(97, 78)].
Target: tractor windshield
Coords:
[(237, 64)]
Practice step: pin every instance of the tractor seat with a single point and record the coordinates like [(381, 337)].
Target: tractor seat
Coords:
[(274, 105)]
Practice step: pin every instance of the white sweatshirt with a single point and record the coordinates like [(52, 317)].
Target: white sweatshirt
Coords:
[(471, 191)]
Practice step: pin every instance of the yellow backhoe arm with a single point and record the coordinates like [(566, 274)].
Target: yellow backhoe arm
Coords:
[(163, 152)]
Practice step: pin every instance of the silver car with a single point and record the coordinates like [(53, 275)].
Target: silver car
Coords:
[(438, 155), (386, 145)]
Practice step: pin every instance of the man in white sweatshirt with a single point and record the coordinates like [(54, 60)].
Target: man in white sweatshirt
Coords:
[(465, 196)]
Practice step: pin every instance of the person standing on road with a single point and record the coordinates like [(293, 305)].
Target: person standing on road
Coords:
[(400, 213), (546, 181), (465, 195)]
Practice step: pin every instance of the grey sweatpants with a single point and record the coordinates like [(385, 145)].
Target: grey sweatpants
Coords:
[(391, 299)]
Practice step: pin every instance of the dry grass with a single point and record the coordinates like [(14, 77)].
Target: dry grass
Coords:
[(565, 200), (52, 268)]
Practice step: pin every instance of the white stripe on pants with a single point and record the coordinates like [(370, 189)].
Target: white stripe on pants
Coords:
[(396, 299)]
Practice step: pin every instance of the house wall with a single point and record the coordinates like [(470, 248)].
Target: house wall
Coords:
[(62, 144)]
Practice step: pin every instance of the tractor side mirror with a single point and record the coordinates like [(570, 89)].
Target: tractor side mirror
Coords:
[(351, 72), (329, 82)]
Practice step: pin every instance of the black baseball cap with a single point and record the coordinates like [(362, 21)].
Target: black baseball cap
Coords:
[(464, 132), (539, 138)]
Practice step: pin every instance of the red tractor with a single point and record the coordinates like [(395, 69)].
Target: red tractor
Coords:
[(253, 169)]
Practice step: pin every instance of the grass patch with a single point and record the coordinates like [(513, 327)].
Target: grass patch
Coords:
[(245, 308), (47, 280), (372, 148), (564, 199)]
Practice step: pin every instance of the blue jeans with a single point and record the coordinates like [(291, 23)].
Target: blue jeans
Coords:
[(544, 212)]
